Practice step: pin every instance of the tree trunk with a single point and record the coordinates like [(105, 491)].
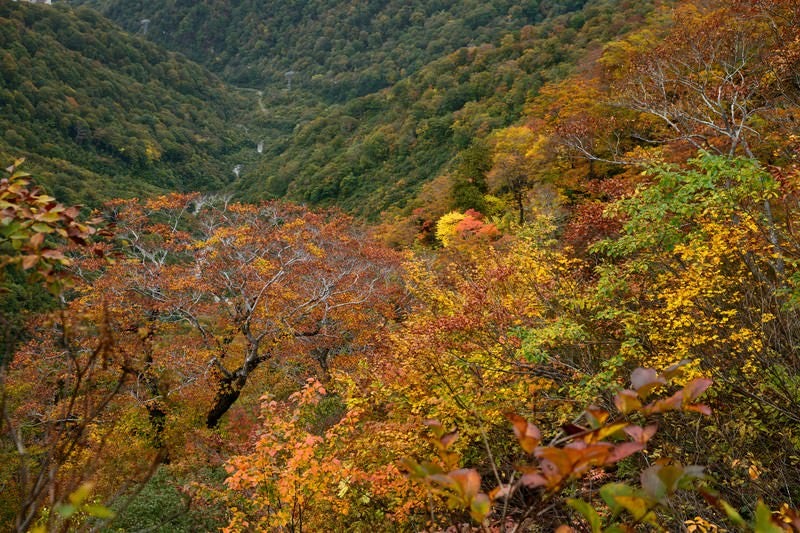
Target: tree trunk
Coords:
[(230, 385), (228, 392)]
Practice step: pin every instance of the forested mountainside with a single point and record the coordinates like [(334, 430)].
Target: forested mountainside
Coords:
[(385, 95), (161, 121), (374, 152), (335, 50), (100, 113), (580, 310)]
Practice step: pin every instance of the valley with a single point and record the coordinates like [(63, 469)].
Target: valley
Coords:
[(322, 265)]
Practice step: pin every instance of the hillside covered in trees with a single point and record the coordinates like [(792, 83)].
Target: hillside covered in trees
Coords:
[(567, 297), (100, 113), (375, 152), (335, 50), (383, 91)]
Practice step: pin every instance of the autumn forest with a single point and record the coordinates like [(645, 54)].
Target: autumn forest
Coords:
[(439, 265)]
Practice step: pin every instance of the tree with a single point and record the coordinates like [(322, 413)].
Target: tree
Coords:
[(237, 286), (513, 168), (48, 431), (693, 276), (710, 79)]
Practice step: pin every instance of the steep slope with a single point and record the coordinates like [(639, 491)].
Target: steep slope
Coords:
[(380, 97), (100, 113), (364, 154), (335, 49), (374, 152)]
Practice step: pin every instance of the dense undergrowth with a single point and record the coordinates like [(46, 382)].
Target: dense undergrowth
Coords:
[(591, 322)]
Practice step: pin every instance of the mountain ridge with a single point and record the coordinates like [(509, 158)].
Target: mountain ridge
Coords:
[(99, 113)]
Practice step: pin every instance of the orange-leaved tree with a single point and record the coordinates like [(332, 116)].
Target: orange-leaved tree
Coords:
[(44, 461), (216, 289), (201, 295)]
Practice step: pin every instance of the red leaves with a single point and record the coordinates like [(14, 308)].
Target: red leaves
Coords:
[(695, 388), (577, 452), (589, 447), (28, 218), (473, 227), (641, 434), (682, 399)]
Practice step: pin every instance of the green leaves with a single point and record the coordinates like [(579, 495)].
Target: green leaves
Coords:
[(659, 482), (420, 470), (480, 507), (610, 493), (588, 512), (662, 480), (666, 213), (78, 504), (763, 522)]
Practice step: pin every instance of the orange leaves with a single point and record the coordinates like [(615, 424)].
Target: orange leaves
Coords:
[(557, 465), (575, 453), (172, 201), (248, 283), (590, 447), (627, 401), (297, 473), (527, 434), (461, 487), (465, 230)]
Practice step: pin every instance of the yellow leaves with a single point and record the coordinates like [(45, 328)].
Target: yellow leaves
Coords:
[(152, 152), (701, 304), (170, 201), (315, 250), (701, 525), (445, 227), (293, 470)]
